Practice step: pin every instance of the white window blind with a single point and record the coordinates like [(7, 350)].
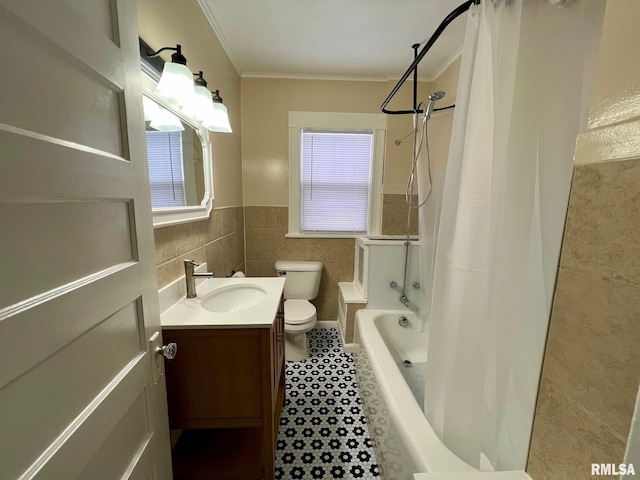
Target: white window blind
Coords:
[(164, 150), (335, 181)]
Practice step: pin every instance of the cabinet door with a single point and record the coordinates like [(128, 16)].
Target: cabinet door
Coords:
[(215, 380)]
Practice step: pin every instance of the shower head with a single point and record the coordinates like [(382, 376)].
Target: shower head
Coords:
[(432, 99)]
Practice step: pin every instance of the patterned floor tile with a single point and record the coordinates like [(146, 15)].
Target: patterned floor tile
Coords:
[(323, 431)]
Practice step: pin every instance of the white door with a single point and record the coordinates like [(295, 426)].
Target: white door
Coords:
[(78, 298)]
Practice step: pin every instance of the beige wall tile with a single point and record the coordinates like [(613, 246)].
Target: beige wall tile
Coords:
[(214, 225), (591, 362), (189, 236), (592, 348), (203, 241), (239, 211), (327, 305), (196, 255), (168, 272), (214, 256), (264, 243), (603, 222), (228, 247), (165, 242), (352, 308), (394, 215), (228, 220), (264, 217), (241, 268), (239, 247), (260, 268), (567, 440)]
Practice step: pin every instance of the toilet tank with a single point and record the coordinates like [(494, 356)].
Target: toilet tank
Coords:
[(302, 278)]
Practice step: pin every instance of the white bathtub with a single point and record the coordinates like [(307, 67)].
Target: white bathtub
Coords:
[(402, 437)]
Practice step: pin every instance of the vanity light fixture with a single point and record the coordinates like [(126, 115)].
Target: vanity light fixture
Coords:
[(219, 121), (203, 105), (176, 82)]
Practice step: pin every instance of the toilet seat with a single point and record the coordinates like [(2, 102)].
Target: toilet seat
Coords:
[(297, 312)]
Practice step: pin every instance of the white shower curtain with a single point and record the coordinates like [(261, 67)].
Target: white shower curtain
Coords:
[(520, 104)]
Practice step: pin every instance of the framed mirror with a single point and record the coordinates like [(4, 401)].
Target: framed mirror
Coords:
[(179, 156)]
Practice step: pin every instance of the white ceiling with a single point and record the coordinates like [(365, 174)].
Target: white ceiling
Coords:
[(354, 39)]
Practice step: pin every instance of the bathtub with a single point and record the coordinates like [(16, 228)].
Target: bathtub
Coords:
[(402, 437)]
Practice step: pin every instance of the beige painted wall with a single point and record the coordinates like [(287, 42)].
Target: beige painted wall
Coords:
[(592, 361), (265, 156), (447, 81), (163, 23), (265, 140)]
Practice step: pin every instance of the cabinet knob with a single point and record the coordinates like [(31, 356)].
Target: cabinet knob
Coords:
[(168, 351)]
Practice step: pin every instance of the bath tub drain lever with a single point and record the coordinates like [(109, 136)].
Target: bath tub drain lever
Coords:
[(403, 321)]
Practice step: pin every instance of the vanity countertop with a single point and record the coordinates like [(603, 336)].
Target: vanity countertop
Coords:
[(189, 314)]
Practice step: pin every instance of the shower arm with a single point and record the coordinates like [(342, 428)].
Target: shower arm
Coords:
[(418, 58)]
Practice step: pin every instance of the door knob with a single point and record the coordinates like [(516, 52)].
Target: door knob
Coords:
[(168, 351)]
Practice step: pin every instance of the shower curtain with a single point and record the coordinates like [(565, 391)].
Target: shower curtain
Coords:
[(522, 97)]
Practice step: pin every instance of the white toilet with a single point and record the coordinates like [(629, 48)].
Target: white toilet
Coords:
[(301, 285)]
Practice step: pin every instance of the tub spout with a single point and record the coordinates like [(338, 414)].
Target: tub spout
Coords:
[(404, 300)]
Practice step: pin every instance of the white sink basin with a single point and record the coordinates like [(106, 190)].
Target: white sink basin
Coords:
[(233, 298)]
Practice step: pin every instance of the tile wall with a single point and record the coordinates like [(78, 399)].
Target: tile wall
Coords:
[(266, 228), (219, 241), (592, 360), (394, 215), (591, 365), (265, 236)]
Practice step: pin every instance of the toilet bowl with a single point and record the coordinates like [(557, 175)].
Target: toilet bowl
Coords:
[(301, 285), (299, 318)]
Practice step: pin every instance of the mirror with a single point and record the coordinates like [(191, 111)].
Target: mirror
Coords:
[(179, 156)]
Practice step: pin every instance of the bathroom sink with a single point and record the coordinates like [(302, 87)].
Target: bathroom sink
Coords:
[(233, 298)]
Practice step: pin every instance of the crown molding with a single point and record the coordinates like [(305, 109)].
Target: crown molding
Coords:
[(208, 13)]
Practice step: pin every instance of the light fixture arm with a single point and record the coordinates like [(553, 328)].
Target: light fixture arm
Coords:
[(216, 97), (199, 80), (175, 58)]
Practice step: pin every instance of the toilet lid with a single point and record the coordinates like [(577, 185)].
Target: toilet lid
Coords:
[(298, 311)]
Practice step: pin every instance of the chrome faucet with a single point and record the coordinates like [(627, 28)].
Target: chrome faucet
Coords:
[(404, 300), (190, 277)]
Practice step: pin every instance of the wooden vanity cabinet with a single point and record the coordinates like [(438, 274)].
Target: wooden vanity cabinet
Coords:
[(226, 389)]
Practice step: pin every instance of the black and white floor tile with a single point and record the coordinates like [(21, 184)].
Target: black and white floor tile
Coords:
[(323, 431)]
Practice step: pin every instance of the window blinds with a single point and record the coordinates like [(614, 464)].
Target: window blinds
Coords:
[(336, 174), (164, 150)]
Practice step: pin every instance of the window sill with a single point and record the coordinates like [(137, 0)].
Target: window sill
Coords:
[(325, 235)]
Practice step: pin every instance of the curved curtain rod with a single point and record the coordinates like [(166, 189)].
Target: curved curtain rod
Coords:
[(419, 56)]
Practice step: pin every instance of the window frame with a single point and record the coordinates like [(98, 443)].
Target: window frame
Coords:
[(340, 122)]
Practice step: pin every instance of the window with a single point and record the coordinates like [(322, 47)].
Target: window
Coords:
[(335, 173), (164, 152)]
